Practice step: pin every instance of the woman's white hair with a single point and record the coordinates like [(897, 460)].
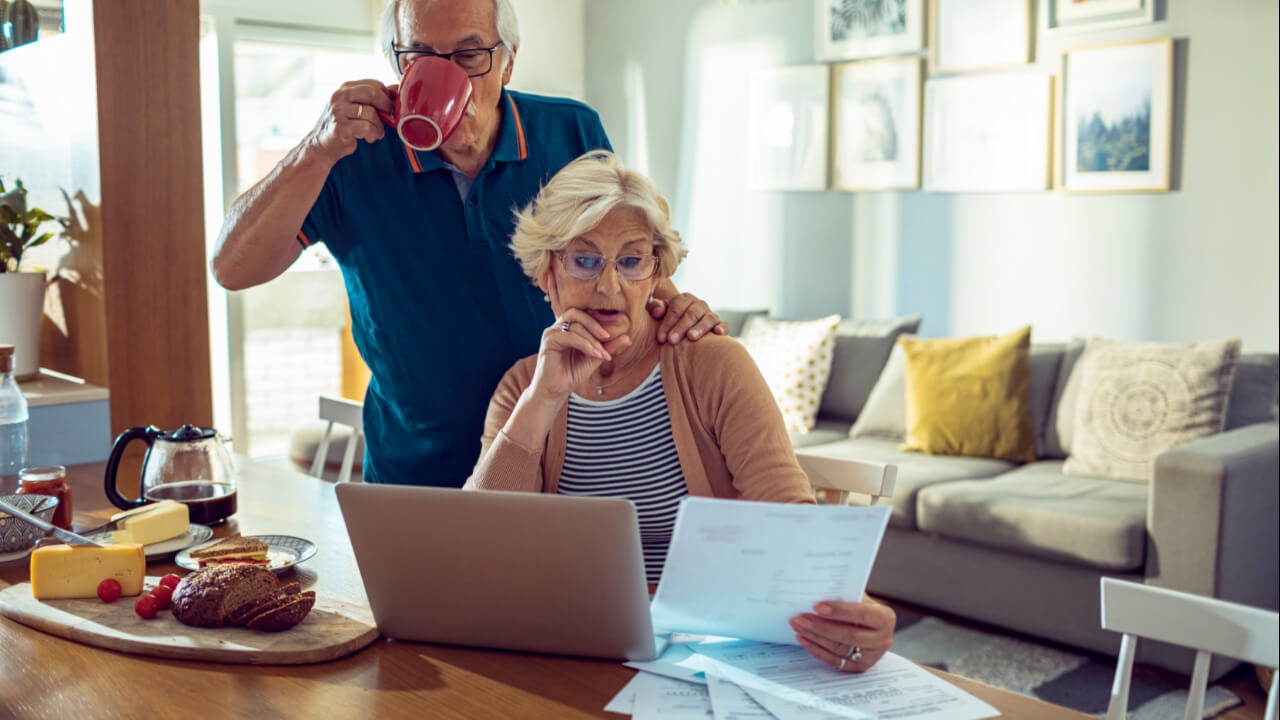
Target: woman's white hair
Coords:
[(508, 30), (578, 198)]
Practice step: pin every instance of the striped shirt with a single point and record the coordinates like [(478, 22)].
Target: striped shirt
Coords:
[(624, 448)]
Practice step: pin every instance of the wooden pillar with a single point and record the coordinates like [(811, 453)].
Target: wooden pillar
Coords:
[(152, 218)]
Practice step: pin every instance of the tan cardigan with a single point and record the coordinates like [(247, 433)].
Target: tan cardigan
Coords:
[(727, 429)]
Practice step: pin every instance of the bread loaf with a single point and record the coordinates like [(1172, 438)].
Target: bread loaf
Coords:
[(239, 594)]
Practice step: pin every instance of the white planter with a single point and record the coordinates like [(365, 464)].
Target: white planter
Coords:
[(21, 314)]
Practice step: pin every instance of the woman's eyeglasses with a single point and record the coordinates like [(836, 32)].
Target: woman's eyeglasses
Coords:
[(588, 266)]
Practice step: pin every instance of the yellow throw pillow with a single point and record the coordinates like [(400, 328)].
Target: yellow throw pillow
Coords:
[(970, 396)]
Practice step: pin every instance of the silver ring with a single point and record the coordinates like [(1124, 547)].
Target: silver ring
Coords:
[(842, 663), (564, 326), (854, 654)]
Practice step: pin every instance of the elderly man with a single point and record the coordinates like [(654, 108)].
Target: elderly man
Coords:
[(439, 308)]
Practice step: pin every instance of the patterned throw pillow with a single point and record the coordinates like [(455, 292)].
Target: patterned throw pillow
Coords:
[(795, 359), (1137, 400)]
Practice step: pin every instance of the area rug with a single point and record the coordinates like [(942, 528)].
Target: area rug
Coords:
[(1075, 679)]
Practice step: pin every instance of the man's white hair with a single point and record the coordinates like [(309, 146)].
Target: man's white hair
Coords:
[(508, 30)]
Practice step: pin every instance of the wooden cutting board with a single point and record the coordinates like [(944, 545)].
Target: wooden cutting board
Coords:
[(332, 629)]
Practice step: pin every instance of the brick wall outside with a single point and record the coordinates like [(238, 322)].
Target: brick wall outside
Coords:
[(286, 370)]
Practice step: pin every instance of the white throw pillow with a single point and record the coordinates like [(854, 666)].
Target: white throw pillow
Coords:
[(795, 360), (1138, 399), (885, 414)]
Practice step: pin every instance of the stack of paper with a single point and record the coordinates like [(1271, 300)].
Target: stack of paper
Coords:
[(746, 680), (738, 571)]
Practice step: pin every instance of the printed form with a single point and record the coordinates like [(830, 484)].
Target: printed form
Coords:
[(743, 569)]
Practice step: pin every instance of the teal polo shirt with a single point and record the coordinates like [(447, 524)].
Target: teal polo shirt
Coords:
[(440, 308)]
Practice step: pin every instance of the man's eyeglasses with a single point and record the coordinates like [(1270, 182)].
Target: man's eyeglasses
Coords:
[(475, 62), (588, 266)]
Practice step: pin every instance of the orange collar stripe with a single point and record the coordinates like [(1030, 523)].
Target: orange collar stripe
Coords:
[(302, 237), (413, 159), (524, 151)]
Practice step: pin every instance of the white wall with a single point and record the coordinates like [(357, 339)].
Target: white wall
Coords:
[(1198, 262)]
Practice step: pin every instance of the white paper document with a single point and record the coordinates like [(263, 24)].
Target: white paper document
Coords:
[(661, 698), (790, 684), (743, 569)]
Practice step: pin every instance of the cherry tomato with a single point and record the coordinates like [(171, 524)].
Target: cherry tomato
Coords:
[(163, 595), (146, 607), (170, 581), (109, 590)]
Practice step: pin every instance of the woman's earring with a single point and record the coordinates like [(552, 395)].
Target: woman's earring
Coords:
[(650, 299)]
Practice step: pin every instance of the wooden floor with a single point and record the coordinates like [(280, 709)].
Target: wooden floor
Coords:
[(1242, 681)]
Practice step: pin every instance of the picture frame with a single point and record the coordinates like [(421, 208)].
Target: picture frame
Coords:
[(967, 35), (787, 128), (877, 124), (853, 29), (1115, 117), (1088, 15), (989, 132)]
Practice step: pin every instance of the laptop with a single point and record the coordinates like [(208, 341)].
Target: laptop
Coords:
[(512, 571)]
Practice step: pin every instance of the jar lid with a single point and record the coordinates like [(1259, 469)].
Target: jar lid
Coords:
[(42, 473)]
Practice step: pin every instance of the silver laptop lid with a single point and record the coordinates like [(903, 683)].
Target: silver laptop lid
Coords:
[(514, 571)]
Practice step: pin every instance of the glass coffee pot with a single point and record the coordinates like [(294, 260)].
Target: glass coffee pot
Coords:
[(190, 465)]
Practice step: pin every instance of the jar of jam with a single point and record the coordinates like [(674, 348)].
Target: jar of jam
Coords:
[(49, 480)]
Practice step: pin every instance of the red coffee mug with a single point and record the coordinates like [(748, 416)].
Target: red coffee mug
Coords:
[(430, 102)]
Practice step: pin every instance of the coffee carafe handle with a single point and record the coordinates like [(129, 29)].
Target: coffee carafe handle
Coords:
[(148, 435)]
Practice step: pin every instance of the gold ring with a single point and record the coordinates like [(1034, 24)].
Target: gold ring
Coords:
[(359, 110)]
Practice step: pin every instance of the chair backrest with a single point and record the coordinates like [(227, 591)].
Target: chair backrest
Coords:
[(834, 479), (346, 412), (1209, 626)]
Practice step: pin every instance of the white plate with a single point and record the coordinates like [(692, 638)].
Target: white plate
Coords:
[(162, 550), (17, 555), (283, 552)]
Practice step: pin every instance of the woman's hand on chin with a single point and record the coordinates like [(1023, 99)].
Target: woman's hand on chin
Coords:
[(573, 348)]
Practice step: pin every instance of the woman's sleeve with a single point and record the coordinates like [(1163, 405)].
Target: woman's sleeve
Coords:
[(504, 464), (751, 433)]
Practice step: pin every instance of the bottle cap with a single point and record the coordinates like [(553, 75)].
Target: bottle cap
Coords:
[(6, 358)]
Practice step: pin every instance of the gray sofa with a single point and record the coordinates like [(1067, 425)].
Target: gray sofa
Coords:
[(1024, 547)]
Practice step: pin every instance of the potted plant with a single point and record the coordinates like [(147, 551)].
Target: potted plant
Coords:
[(21, 293)]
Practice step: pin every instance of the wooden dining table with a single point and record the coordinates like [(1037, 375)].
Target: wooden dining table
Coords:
[(44, 676)]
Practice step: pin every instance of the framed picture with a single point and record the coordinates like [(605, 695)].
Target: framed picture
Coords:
[(988, 132), (978, 34), (1116, 117), (877, 124), (851, 29), (1073, 15), (787, 128)]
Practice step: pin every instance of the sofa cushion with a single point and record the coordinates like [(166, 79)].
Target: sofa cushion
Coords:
[(1046, 359), (970, 396), (824, 431), (885, 413), (1142, 398), (861, 351), (915, 470), (1058, 428), (737, 319), (795, 360), (1036, 509), (1253, 391)]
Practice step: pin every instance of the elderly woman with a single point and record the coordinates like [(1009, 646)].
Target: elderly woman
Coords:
[(604, 409)]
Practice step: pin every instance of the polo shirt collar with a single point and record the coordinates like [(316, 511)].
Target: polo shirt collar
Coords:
[(512, 144)]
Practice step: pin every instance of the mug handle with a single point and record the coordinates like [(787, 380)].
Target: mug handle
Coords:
[(147, 434), (390, 119)]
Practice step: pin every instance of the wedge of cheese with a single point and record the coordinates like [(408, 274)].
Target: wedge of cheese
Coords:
[(75, 571), (153, 523)]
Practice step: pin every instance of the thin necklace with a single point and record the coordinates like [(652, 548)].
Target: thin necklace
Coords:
[(620, 376)]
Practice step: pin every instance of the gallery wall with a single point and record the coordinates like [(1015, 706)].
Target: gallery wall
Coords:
[(1197, 262)]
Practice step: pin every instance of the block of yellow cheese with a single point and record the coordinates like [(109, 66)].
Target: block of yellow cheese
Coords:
[(153, 523), (75, 571)]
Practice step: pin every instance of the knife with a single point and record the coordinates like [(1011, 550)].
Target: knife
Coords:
[(65, 536)]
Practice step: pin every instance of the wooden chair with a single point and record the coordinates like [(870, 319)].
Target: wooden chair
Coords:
[(835, 479), (347, 412), (1209, 626)]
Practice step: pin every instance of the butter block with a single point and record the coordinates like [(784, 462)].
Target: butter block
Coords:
[(75, 571), (152, 523)]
